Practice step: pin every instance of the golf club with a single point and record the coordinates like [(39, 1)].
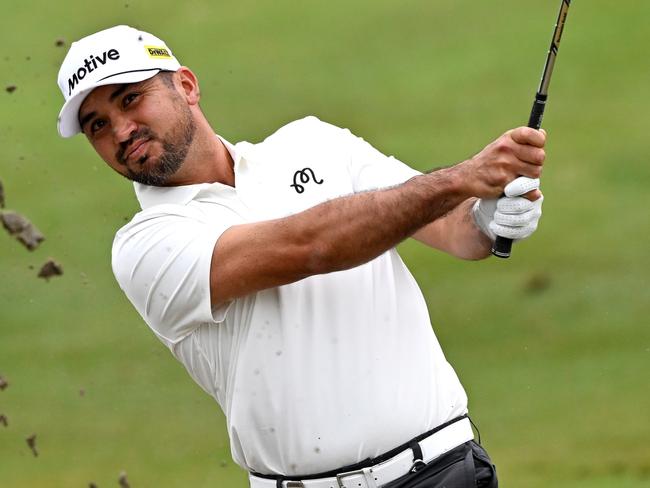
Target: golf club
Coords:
[(502, 245)]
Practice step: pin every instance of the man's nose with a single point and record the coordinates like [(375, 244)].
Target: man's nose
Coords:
[(123, 128)]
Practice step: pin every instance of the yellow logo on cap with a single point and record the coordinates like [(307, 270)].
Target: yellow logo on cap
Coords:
[(158, 52)]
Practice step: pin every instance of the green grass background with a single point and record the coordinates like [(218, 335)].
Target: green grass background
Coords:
[(558, 376)]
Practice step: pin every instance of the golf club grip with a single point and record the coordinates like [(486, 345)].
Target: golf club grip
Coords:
[(502, 246), (537, 112)]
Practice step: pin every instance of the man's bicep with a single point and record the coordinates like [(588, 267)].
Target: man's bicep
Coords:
[(251, 257)]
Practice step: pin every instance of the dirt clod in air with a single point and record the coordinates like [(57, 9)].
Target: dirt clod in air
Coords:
[(92, 485), (2, 196), (49, 269), (59, 42), (31, 442), (11, 88), (537, 283), (123, 481), (3, 383), (22, 229), (3, 420), (14, 222)]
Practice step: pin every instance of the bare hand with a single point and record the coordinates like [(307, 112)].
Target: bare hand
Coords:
[(518, 152)]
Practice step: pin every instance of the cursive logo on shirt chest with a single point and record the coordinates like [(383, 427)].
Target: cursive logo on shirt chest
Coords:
[(304, 176)]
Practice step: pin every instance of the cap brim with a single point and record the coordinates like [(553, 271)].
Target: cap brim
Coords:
[(68, 123)]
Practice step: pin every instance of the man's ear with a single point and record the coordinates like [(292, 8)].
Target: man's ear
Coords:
[(189, 85)]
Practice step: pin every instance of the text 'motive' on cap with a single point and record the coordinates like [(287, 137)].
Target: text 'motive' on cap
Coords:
[(120, 54)]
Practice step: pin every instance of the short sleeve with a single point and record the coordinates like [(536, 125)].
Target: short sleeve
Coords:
[(372, 170), (162, 260)]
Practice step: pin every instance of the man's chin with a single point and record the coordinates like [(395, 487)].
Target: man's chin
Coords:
[(149, 179), (152, 172)]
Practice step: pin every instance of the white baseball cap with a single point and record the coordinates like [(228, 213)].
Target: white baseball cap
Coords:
[(120, 54)]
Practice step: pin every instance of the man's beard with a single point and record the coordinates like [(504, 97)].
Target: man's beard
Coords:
[(175, 148)]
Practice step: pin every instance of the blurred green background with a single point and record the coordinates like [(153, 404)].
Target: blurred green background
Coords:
[(552, 346)]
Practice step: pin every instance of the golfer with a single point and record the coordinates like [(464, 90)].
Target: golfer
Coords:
[(269, 270)]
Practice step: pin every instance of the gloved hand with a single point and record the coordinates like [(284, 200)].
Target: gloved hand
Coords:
[(512, 216)]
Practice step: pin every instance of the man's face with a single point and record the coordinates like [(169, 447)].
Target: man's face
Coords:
[(142, 130)]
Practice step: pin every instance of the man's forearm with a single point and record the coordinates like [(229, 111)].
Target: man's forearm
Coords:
[(467, 240), (332, 236), (356, 229), (457, 234)]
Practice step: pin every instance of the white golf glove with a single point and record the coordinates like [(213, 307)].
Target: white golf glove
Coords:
[(511, 216)]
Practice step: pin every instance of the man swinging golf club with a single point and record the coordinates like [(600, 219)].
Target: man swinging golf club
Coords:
[(270, 272)]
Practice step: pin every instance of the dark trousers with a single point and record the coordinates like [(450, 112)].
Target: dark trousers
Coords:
[(467, 466)]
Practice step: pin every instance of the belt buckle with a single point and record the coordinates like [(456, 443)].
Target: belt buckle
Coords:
[(295, 484), (366, 473)]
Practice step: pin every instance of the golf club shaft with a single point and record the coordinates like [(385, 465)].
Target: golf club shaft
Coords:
[(502, 245)]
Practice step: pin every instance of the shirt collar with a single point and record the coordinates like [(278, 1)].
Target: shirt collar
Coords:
[(148, 195)]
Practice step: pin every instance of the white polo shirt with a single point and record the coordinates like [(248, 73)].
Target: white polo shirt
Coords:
[(311, 376)]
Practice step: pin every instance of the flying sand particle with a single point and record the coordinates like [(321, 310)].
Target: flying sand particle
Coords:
[(123, 481), (49, 269), (22, 229), (31, 442), (537, 282)]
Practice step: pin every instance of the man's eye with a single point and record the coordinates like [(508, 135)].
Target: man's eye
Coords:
[(129, 98), (96, 125)]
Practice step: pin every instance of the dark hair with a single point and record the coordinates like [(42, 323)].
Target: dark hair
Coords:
[(166, 78)]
